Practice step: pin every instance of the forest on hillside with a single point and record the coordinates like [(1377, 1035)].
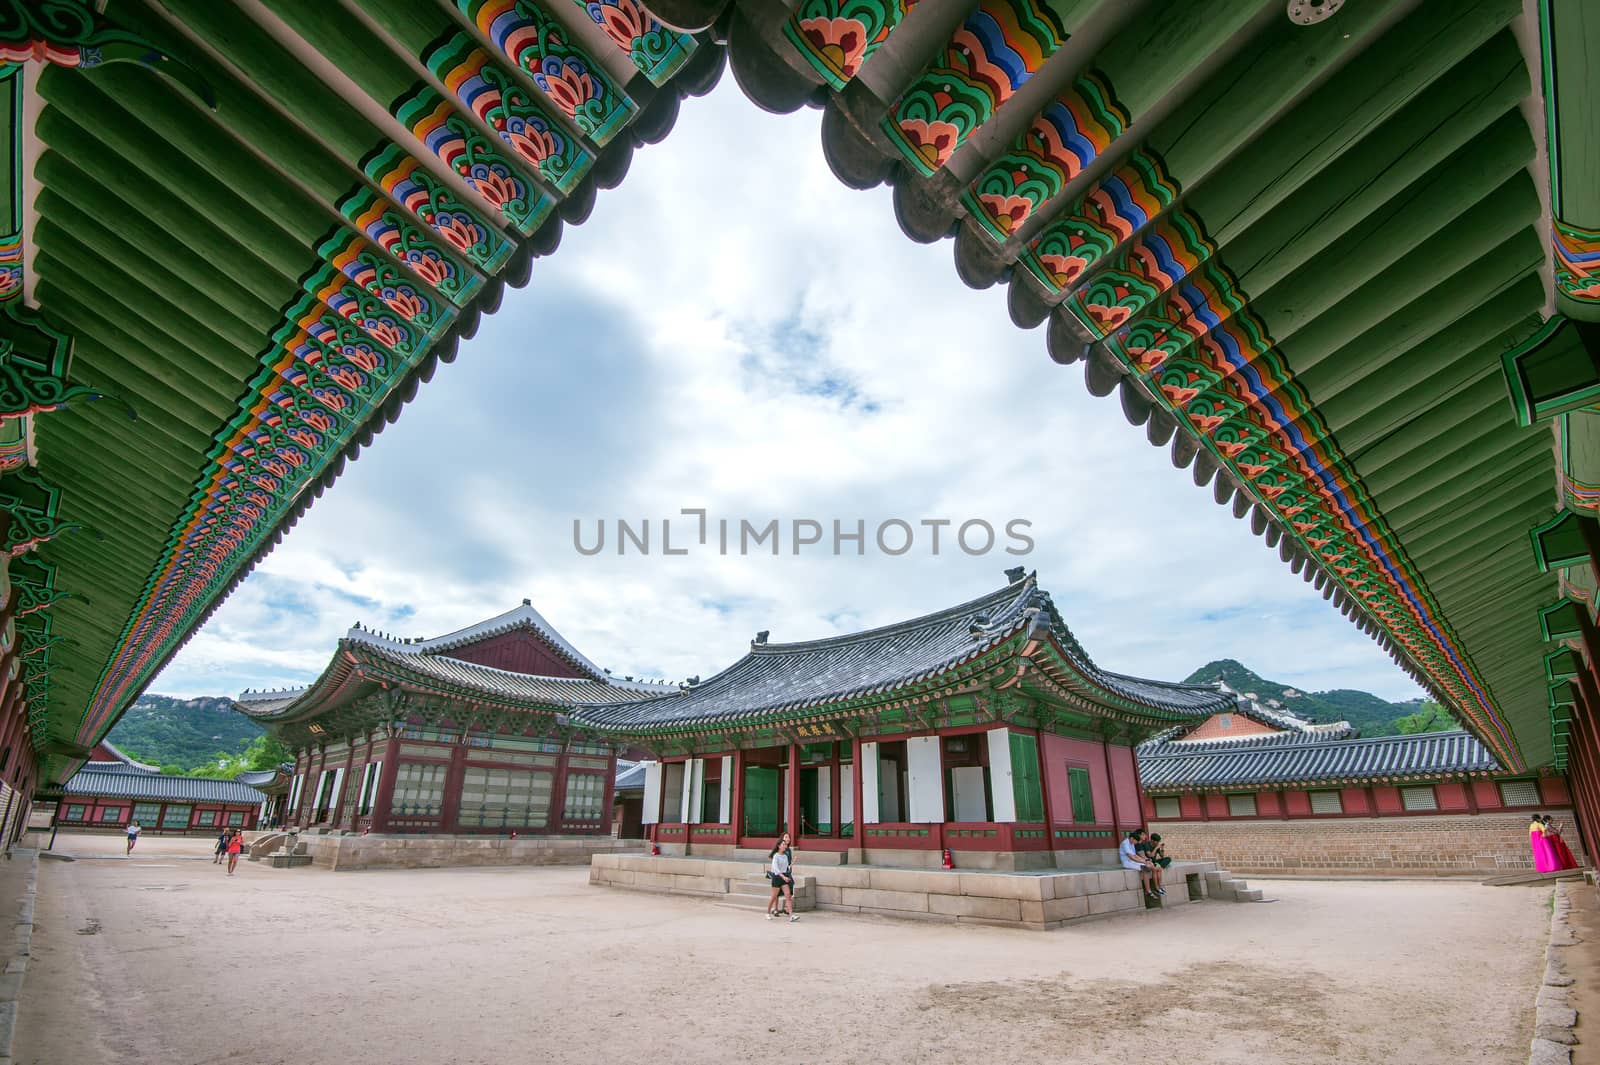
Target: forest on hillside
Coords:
[(1372, 715)]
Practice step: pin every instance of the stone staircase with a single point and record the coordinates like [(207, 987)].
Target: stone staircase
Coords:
[(1221, 885), (752, 893)]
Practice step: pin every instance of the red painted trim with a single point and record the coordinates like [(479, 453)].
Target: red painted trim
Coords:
[(857, 792), (1111, 782)]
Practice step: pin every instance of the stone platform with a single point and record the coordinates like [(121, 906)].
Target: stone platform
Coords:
[(1037, 900), (340, 852)]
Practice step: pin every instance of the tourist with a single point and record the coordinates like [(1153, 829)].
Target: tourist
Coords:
[(1544, 855), (1158, 856), (235, 845), (781, 873), (1133, 860), (1558, 845), (222, 845), (133, 836), (1146, 849)]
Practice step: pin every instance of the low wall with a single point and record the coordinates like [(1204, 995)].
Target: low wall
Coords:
[(1036, 901), (341, 852), (1423, 845)]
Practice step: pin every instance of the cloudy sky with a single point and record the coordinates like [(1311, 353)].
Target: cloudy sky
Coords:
[(734, 330)]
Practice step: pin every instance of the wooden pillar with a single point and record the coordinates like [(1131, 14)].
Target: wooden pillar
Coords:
[(1472, 799), (736, 798), (1580, 756), (791, 798), (1590, 530), (857, 796), (1111, 782), (1372, 801), (608, 799), (383, 797), (1283, 805), (558, 797), (450, 806)]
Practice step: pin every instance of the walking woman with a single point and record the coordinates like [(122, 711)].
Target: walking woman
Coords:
[(222, 846), (235, 845), (1544, 855), (1558, 845), (781, 872)]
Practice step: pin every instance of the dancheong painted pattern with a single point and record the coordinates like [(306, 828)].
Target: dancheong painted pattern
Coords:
[(1313, 259)]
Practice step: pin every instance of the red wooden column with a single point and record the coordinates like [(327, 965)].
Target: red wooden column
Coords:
[(1472, 798), (1111, 781), (450, 807), (857, 795), (736, 800), (344, 784), (558, 796), (791, 798), (607, 811), (384, 796), (1283, 801), (1581, 756)]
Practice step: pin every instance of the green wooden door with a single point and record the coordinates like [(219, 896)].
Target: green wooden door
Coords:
[(1025, 777), (761, 801)]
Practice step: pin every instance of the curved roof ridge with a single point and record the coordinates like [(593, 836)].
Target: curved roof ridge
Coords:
[(522, 616), (1014, 592), (656, 687)]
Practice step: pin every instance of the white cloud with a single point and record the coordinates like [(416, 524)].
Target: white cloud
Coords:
[(735, 330)]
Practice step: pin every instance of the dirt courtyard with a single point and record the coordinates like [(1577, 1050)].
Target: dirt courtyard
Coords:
[(163, 958)]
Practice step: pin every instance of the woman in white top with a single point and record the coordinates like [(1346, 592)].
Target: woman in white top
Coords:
[(780, 872)]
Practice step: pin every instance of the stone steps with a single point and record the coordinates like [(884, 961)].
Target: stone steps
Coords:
[(289, 861), (1220, 884), (754, 894)]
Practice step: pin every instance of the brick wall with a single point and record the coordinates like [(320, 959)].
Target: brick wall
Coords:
[(1427, 845)]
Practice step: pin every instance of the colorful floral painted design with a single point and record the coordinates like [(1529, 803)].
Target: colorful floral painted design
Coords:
[(837, 36), (573, 81), (1577, 261), (1121, 205), (1067, 136), (500, 102), (410, 245), (377, 276), (1214, 364), (654, 49), (1167, 253), (989, 58), (362, 310), (10, 267), (409, 184), (459, 146)]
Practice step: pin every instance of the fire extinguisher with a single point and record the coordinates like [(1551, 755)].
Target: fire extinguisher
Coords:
[(655, 848), (949, 863)]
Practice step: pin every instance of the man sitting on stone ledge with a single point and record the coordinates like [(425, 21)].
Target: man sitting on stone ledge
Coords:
[(1132, 859)]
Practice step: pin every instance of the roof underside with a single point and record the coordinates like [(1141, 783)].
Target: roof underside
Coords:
[(1295, 251)]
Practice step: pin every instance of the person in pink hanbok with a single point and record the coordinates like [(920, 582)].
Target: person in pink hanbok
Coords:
[(1558, 844), (1544, 855)]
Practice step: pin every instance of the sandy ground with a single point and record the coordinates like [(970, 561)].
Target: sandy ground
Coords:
[(162, 958)]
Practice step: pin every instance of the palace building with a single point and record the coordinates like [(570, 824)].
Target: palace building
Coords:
[(1260, 790), (984, 729), (112, 791)]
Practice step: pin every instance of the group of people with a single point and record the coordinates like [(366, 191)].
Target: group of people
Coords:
[(780, 870), (229, 843), (1147, 857), (1550, 852)]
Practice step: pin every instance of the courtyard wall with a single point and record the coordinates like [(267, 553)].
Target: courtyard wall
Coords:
[(1424, 845)]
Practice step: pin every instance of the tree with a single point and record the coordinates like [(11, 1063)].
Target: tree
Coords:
[(1431, 718)]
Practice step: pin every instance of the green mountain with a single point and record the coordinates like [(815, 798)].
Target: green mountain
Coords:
[(1372, 715), (186, 734)]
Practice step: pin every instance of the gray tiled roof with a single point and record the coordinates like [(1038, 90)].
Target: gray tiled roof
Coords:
[(630, 776), (771, 679), (1314, 757), (561, 691), (98, 778), (777, 677)]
